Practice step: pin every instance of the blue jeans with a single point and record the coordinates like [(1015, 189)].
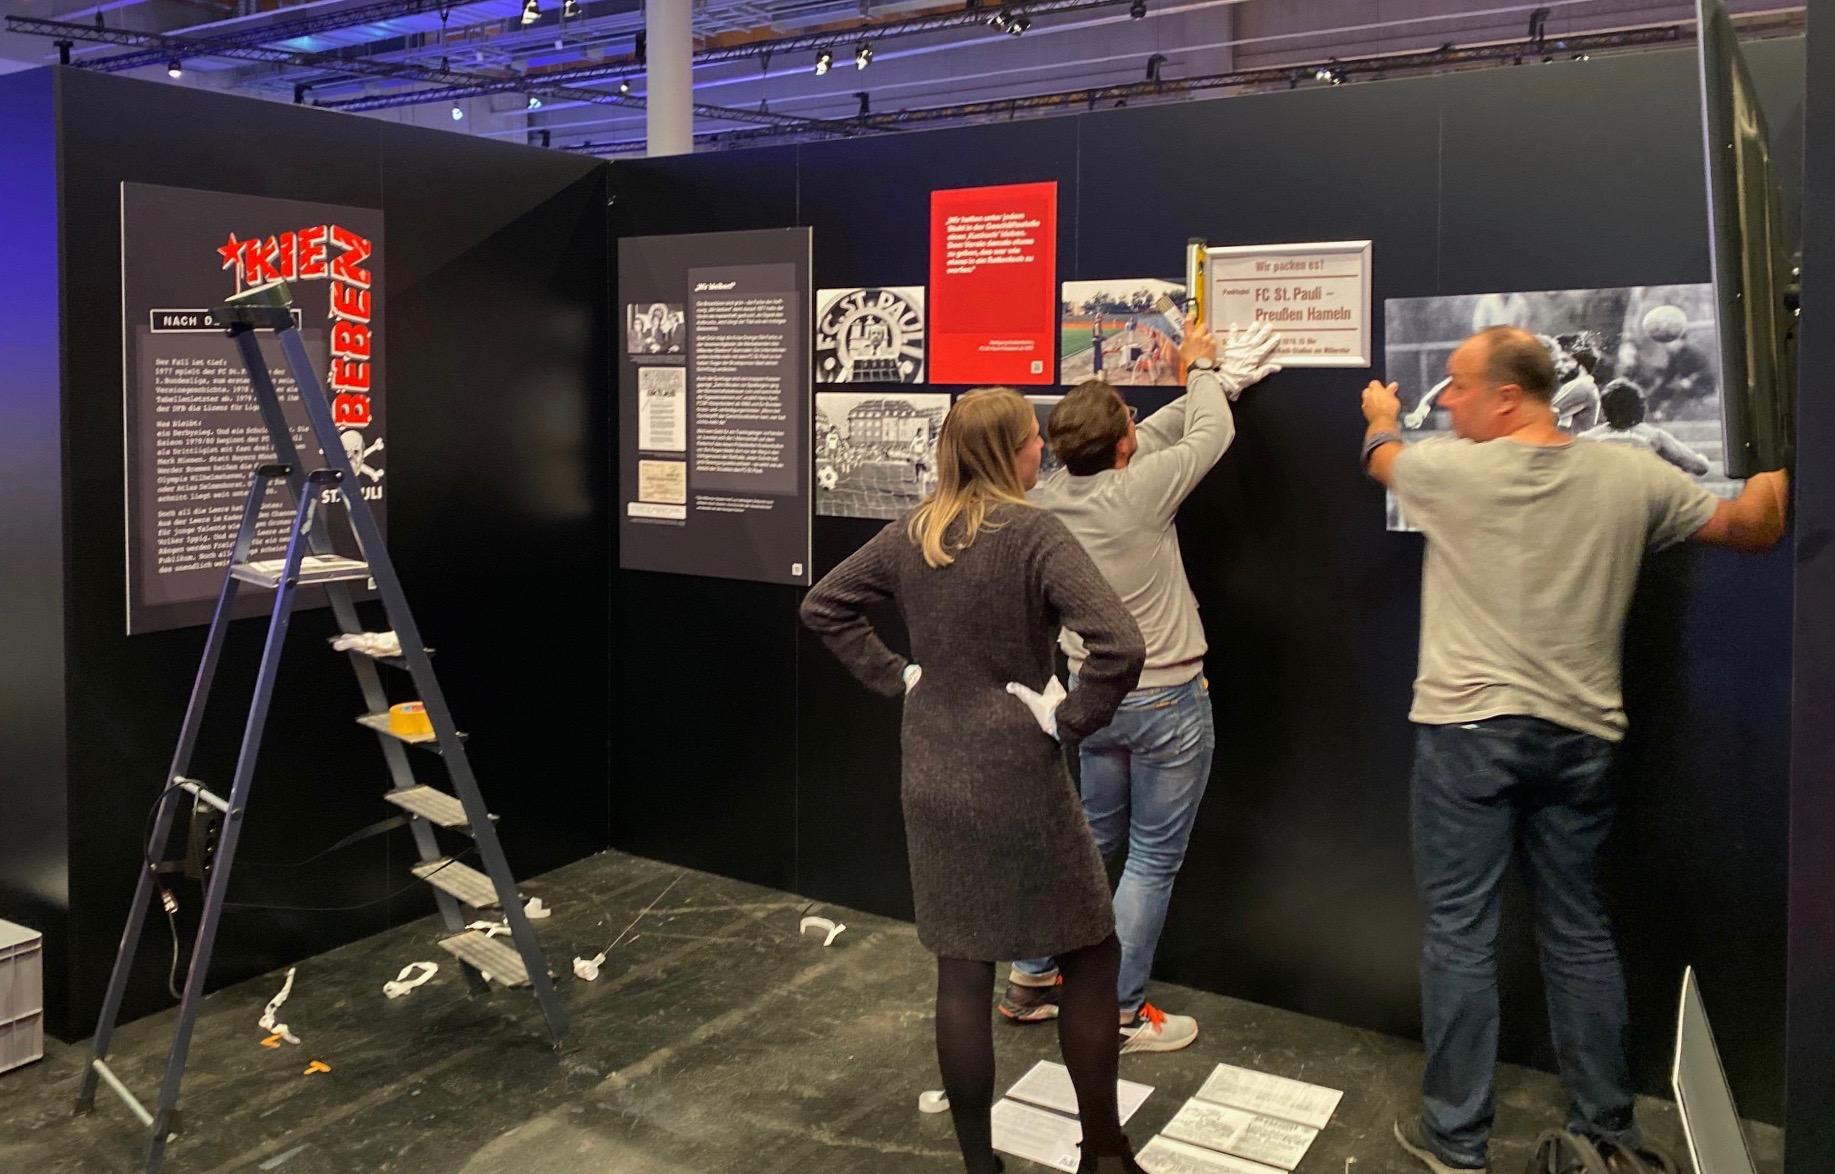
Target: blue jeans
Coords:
[(1143, 778), (1483, 792)]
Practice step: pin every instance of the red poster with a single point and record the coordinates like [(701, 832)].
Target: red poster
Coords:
[(993, 284)]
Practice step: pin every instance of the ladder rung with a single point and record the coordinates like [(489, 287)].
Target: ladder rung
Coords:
[(380, 723), (496, 957), (461, 880), (432, 805), (207, 796), (314, 568), (133, 1102)]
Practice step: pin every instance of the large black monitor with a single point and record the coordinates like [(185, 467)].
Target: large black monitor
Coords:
[(1753, 273)]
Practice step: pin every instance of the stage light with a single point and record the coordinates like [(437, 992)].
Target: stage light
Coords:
[(1017, 26), (863, 56), (299, 94), (535, 103), (570, 9), (824, 59), (531, 12), (624, 85), (174, 69), (1137, 10), (866, 102), (1001, 19), (546, 139), (457, 114), (1153, 66)]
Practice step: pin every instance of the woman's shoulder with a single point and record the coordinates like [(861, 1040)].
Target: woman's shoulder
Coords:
[(1029, 523)]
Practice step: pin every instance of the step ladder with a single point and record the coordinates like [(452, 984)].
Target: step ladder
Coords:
[(310, 560)]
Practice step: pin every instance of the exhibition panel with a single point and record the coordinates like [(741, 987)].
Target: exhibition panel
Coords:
[(495, 471), (1297, 890)]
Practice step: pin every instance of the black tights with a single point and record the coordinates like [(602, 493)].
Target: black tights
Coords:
[(1088, 1016)]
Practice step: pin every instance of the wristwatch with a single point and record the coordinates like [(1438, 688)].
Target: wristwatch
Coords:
[(1202, 364)]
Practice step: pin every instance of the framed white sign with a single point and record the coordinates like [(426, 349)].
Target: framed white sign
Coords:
[(1315, 296)]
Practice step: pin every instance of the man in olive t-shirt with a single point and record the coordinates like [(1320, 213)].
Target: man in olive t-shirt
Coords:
[(1534, 542)]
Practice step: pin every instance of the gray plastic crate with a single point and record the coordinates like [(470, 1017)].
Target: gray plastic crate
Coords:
[(22, 996)]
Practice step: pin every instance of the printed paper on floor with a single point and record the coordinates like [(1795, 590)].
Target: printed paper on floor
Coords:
[(1037, 1135), (1271, 1096), (1246, 1135), (1163, 1155), (1048, 1086)]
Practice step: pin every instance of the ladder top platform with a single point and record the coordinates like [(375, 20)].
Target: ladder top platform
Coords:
[(314, 568)]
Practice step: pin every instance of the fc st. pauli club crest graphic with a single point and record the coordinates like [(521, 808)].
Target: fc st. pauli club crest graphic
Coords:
[(870, 336), (330, 253)]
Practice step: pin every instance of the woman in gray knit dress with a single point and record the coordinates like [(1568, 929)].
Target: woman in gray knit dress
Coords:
[(1003, 864)]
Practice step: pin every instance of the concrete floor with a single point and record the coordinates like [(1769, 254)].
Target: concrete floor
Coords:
[(716, 1040)]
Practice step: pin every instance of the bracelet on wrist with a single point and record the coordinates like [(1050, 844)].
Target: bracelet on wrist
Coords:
[(1376, 440)]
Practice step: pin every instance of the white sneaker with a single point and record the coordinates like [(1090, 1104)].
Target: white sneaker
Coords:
[(1152, 1030)]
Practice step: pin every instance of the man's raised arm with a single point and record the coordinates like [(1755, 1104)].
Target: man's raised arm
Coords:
[(1383, 437)]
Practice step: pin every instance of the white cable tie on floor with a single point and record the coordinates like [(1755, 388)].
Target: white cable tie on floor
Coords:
[(587, 969), (269, 1023), (934, 1101), (535, 910), (403, 984), (491, 929), (831, 928)]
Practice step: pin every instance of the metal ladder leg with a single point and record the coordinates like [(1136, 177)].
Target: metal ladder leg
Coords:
[(164, 1116), (155, 847)]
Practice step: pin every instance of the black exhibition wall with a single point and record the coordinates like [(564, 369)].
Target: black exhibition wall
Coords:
[(1298, 889), (496, 369), (1810, 1137), (34, 874)]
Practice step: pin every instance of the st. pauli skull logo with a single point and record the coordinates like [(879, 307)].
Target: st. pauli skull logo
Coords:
[(359, 454)]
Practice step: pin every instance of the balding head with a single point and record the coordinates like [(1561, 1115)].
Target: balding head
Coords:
[(1515, 356), (1498, 381)]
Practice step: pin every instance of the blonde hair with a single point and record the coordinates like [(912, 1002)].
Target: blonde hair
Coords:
[(976, 469)]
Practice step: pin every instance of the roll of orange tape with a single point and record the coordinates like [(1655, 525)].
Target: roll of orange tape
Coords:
[(409, 719)]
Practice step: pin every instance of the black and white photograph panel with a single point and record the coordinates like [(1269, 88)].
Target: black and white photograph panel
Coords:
[(876, 455), (1633, 366), (653, 328), (1043, 406), (870, 335), (1124, 330)]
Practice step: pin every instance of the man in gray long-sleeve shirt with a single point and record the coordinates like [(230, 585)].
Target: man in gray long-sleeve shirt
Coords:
[(1145, 774)]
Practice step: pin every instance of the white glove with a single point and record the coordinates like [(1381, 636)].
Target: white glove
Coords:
[(1243, 360), (1044, 706), (913, 673)]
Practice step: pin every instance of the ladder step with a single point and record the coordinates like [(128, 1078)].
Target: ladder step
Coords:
[(380, 723), (432, 805), (460, 880), (494, 956), (314, 568)]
